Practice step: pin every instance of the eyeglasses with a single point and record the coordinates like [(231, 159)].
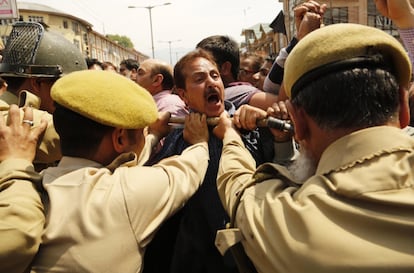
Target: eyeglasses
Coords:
[(264, 72), (243, 71)]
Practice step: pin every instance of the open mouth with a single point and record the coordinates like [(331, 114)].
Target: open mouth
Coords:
[(213, 98), (213, 103)]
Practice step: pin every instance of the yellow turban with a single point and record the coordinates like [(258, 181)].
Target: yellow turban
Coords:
[(107, 98), (343, 46)]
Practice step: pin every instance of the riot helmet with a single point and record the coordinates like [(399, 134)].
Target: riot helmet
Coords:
[(33, 51)]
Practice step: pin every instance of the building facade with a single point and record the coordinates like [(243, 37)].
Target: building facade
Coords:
[(261, 39), (362, 12), (78, 31), (339, 11)]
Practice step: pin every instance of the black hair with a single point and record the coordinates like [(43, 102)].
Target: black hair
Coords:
[(224, 49), (79, 136), (92, 61), (130, 64), (352, 98)]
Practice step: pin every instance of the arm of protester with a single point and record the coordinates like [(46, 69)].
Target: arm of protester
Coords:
[(308, 17), (399, 11)]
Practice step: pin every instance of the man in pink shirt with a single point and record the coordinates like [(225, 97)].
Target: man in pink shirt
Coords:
[(157, 77)]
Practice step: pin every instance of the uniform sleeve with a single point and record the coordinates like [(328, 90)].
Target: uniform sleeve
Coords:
[(235, 170), (152, 194), (21, 215), (48, 150), (150, 142)]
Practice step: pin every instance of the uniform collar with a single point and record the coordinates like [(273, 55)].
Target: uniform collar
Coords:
[(125, 159), (363, 145)]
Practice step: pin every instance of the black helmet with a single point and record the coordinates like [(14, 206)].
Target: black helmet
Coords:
[(32, 51)]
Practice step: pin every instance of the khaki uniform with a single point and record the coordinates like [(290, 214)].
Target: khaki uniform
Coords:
[(48, 151), (356, 214), (21, 215), (101, 219), (21, 210)]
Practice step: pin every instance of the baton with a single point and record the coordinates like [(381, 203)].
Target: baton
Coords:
[(271, 122)]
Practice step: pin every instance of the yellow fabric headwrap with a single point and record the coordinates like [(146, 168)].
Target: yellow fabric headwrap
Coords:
[(341, 42), (107, 98)]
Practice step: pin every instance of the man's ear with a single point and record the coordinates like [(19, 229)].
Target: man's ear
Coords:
[(182, 94), (119, 139), (157, 79), (35, 83), (298, 118), (225, 69)]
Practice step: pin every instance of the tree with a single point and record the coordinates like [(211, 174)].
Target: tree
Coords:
[(121, 40)]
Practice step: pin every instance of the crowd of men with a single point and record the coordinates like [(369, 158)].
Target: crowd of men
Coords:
[(178, 169)]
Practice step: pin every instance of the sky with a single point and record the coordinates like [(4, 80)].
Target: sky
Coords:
[(180, 25)]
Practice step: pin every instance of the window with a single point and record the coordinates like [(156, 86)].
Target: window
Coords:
[(38, 19), (8, 22), (375, 19), (75, 28), (76, 43), (85, 39), (65, 25), (336, 15)]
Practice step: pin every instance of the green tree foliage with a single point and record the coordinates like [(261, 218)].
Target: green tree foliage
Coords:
[(121, 40)]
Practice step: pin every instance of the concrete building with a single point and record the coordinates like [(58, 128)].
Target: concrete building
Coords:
[(269, 42), (91, 43), (346, 11)]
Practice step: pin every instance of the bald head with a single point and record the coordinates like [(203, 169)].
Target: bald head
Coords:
[(155, 76)]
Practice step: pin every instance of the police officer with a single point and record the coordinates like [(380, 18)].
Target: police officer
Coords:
[(352, 210), (33, 59), (104, 208)]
